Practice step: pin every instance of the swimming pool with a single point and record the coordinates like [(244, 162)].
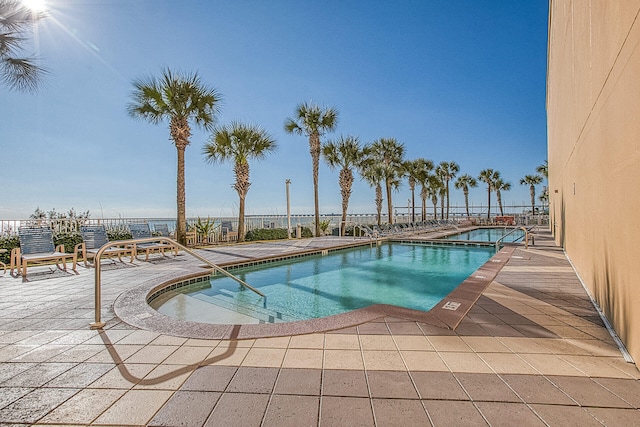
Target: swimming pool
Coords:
[(407, 275), (489, 235)]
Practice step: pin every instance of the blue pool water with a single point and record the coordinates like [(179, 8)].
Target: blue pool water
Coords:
[(411, 276), (489, 235)]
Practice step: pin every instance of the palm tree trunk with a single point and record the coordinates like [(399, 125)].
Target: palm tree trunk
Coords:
[(423, 196), (447, 199), (181, 221), (488, 202), (314, 149), (434, 200), (241, 232), (532, 191), (413, 204), (442, 206), (379, 203), (346, 181), (241, 186), (466, 200), (499, 197), (389, 203), (180, 133)]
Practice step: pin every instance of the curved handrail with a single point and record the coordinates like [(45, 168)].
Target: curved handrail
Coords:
[(98, 324), (526, 236)]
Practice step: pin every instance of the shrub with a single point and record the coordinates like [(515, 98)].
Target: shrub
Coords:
[(119, 234), (68, 239), (274, 234), (266, 234), (8, 243)]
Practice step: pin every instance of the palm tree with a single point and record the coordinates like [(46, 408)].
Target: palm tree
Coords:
[(239, 142), (543, 169), (447, 171), (544, 196), (423, 177), (500, 185), (532, 181), (488, 176), (19, 73), (313, 121), (373, 172), (180, 99), (389, 153), (433, 189), (464, 182), (417, 170), (346, 153)]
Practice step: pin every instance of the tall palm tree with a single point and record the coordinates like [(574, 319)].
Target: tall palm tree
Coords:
[(488, 176), (433, 189), (313, 121), (347, 153), (239, 143), (464, 182), (416, 170), (447, 171), (390, 154), (423, 177), (373, 172), (543, 170), (180, 99), (500, 185), (17, 72), (532, 181)]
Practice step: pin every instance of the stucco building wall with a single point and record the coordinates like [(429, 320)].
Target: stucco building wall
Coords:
[(593, 113)]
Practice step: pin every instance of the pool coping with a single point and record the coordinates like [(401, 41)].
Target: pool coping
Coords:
[(132, 307)]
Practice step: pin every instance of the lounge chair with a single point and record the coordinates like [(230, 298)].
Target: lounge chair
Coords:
[(36, 244), (95, 237), (142, 231)]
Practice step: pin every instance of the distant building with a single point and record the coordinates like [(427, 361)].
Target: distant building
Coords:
[(593, 113)]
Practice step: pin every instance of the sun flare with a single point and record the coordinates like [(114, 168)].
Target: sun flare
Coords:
[(35, 5)]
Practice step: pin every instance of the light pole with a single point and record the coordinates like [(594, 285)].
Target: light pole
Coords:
[(287, 182)]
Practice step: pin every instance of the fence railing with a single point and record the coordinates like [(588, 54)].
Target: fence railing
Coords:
[(223, 228)]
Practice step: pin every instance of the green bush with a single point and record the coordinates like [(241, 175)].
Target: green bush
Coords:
[(266, 234), (69, 239), (274, 234), (119, 234), (8, 243)]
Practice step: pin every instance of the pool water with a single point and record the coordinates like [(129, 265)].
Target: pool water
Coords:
[(412, 276), (490, 235)]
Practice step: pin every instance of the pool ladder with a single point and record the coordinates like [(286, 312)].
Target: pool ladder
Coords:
[(526, 236)]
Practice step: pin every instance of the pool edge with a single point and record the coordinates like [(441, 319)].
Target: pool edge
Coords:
[(132, 308)]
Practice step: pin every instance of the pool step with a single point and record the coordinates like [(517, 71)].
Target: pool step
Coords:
[(227, 299)]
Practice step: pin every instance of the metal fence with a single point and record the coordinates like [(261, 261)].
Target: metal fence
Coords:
[(221, 227)]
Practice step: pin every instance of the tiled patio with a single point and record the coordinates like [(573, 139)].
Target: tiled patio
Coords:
[(531, 351)]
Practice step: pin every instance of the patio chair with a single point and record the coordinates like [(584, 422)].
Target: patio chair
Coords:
[(162, 230), (227, 231), (142, 231), (95, 237), (36, 244)]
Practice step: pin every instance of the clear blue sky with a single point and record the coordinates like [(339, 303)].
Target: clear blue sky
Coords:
[(452, 80)]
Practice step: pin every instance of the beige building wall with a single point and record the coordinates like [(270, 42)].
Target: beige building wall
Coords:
[(593, 113)]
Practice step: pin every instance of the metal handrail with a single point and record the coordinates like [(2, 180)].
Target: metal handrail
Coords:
[(509, 233), (99, 324)]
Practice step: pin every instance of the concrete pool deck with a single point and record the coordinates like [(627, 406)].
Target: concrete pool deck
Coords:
[(532, 350)]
